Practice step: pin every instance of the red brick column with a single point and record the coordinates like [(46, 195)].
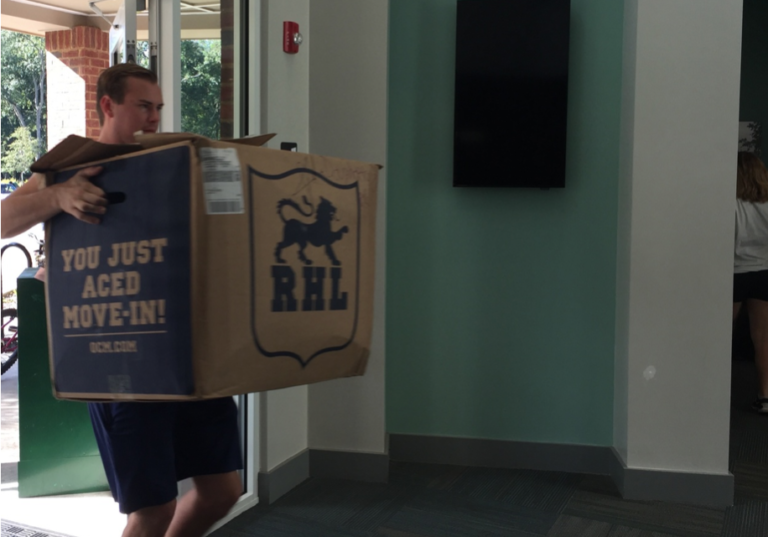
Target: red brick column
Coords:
[(76, 59)]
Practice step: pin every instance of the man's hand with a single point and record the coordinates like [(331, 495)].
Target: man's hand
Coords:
[(81, 198)]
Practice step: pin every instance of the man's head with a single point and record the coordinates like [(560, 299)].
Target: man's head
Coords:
[(128, 100)]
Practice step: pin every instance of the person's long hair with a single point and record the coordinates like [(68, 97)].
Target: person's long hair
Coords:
[(751, 178)]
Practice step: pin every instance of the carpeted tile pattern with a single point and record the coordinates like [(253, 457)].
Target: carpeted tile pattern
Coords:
[(751, 481), (569, 526), (674, 519), (746, 518), (423, 500)]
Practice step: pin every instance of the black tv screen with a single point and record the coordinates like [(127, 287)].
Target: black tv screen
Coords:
[(511, 93)]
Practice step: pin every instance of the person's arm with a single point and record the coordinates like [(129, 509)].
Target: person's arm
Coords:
[(30, 204)]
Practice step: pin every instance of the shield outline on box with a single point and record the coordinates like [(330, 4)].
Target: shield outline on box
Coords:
[(252, 174)]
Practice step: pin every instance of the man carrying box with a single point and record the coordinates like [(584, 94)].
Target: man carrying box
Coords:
[(146, 448)]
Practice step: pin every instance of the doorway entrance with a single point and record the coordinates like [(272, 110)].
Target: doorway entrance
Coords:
[(195, 46)]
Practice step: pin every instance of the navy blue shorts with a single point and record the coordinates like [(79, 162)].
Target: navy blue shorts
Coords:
[(147, 448)]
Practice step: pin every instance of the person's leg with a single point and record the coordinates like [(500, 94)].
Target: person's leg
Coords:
[(736, 310), (150, 521), (136, 443), (209, 501), (207, 441), (758, 327)]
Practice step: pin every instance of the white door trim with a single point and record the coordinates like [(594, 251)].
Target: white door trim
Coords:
[(169, 63)]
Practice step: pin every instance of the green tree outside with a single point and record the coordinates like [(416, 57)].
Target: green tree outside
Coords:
[(200, 84), (201, 87), (19, 154), (22, 95), (23, 102)]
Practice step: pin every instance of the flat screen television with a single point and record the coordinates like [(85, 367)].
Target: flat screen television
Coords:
[(511, 94)]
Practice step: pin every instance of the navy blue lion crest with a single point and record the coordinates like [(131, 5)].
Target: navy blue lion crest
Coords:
[(318, 233)]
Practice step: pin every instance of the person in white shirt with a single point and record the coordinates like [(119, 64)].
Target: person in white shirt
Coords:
[(750, 281)]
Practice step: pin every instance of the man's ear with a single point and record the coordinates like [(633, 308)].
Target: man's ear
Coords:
[(106, 106)]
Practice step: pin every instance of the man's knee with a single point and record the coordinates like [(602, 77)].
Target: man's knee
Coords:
[(218, 495), (220, 504), (151, 520)]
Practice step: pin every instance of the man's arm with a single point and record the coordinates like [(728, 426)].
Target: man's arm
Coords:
[(30, 204)]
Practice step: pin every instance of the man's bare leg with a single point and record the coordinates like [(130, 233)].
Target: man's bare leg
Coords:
[(208, 502), (150, 521)]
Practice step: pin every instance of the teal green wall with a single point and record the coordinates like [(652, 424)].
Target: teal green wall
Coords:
[(500, 302), (754, 68)]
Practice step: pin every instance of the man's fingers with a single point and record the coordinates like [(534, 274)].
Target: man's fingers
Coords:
[(90, 172), (90, 208), (83, 179), (85, 200), (95, 199), (85, 206), (90, 219), (87, 186)]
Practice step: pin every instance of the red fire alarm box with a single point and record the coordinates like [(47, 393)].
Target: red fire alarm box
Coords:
[(291, 37)]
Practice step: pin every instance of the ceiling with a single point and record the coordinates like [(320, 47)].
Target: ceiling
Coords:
[(200, 19)]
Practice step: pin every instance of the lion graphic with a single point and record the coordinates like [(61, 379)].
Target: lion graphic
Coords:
[(318, 233)]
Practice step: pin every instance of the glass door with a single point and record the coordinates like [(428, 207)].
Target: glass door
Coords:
[(122, 33), (203, 52)]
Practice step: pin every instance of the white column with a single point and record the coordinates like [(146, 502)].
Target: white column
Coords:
[(676, 228), (349, 120), (169, 63)]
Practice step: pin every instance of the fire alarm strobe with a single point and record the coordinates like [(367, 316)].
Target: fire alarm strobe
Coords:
[(291, 37)]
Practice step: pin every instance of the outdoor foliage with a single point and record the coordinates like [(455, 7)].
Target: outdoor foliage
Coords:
[(22, 98), (200, 84), (200, 87), (19, 153), (23, 105)]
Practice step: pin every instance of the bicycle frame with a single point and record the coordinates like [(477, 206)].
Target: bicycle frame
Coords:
[(11, 343)]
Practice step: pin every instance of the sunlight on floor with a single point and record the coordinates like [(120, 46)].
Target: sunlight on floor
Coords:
[(77, 515)]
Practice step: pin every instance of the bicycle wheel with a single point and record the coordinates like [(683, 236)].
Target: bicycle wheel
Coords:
[(10, 344)]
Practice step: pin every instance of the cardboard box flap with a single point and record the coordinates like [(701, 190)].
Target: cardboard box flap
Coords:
[(256, 141), (148, 141), (74, 150), (158, 139)]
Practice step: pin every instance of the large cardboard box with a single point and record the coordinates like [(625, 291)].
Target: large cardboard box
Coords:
[(220, 268)]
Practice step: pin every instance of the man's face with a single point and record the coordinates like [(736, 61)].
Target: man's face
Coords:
[(139, 111)]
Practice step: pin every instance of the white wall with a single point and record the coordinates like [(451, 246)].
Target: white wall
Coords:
[(676, 225), (285, 111), (331, 99), (65, 94), (348, 119)]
